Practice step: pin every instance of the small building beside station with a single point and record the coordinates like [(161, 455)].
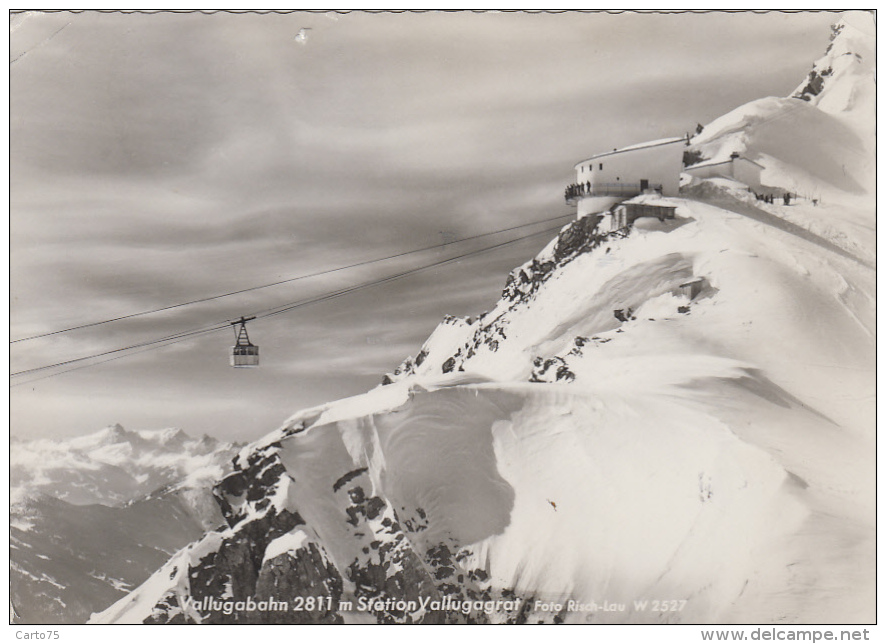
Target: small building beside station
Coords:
[(624, 215), (736, 167)]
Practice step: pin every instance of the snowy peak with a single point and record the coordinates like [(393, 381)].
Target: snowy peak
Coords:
[(842, 79), (114, 434), (817, 144), (170, 438)]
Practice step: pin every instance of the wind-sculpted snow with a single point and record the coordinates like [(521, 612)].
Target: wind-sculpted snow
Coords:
[(346, 542), (470, 491)]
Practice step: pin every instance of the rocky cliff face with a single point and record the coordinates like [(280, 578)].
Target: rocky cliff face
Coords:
[(831, 84), (270, 566), (486, 333)]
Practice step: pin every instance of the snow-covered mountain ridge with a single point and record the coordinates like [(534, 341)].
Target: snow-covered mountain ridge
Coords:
[(832, 83), (603, 435)]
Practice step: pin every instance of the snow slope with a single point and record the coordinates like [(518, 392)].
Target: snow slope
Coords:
[(820, 147), (601, 436)]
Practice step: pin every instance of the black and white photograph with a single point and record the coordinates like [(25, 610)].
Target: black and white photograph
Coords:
[(504, 317)]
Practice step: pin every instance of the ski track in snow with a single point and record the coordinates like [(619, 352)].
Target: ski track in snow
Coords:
[(732, 204)]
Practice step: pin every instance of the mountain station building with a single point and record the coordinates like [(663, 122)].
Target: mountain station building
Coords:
[(605, 179)]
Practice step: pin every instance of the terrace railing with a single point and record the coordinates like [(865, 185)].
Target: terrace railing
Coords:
[(577, 191)]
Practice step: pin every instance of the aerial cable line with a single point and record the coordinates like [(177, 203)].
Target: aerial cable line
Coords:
[(111, 359), (184, 335), (345, 291), (177, 337), (285, 281)]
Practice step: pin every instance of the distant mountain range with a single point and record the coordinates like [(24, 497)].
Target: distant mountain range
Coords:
[(93, 516)]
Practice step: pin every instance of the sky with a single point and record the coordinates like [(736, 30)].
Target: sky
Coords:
[(162, 158)]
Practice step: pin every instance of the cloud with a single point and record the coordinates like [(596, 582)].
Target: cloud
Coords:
[(162, 158)]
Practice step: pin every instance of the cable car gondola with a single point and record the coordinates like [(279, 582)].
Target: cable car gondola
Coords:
[(244, 353)]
